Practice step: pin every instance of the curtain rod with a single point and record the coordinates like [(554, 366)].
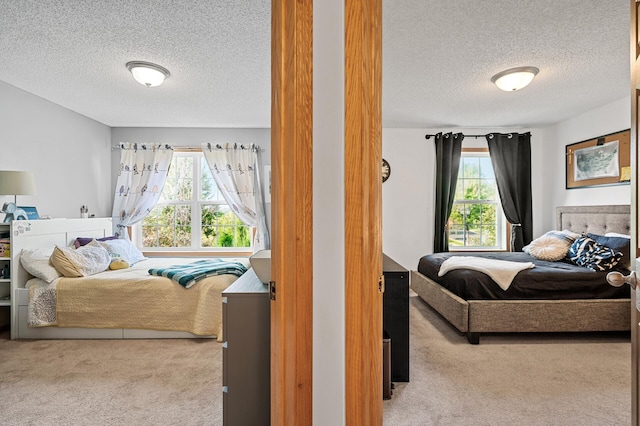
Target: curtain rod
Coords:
[(466, 136), (179, 148), (473, 136)]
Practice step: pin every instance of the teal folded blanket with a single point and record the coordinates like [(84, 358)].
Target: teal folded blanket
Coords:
[(188, 274)]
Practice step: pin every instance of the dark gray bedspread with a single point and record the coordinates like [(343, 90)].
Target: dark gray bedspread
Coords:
[(547, 280)]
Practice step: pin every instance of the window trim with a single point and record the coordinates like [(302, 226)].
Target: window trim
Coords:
[(507, 227), (196, 249)]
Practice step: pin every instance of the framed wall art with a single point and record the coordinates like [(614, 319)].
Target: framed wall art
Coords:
[(32, 212), (604, 160)]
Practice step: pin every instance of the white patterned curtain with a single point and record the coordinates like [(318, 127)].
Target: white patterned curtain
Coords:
[(235, 170), (143, 172)]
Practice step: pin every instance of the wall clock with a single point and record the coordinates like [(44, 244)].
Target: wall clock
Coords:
[(386, 170)]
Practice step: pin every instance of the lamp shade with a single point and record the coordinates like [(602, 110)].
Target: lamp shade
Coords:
[(17, 183), (148, 74), (515, 78)]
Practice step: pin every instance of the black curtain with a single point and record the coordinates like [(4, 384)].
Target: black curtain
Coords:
[(448, 150), (511, 159)]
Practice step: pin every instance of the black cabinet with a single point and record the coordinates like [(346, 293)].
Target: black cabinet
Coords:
[(395, 316)]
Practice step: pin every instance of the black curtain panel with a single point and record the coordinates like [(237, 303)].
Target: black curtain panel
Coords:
[(448, 151), (511, 159)]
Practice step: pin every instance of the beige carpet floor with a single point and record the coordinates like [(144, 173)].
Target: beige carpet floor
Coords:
[(567, 379), (110, 382), (511, 379)]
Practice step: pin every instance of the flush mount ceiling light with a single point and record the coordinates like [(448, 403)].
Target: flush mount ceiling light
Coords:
[(148, 74), (515, 78)]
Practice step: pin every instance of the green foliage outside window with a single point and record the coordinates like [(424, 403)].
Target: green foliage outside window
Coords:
[(222, 228), (170, 223), (474, 216)]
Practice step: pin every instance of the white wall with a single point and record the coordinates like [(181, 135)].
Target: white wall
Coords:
[(408, 198), (328, 214), (68, 154), (609, 118)]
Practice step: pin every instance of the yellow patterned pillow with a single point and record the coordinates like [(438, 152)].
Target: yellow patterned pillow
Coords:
[(86, 260), (118, 264)]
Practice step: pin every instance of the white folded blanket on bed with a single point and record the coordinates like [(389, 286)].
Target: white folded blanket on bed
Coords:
[(501, 271)]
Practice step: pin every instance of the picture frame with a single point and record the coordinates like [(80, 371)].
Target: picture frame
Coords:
[(32, 212), (601, 161)]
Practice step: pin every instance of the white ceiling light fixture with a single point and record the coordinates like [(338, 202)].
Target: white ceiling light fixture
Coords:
[(515, 78), (148, 74)]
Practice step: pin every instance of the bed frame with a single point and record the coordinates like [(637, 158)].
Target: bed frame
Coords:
[(62, 232), (505, 316)]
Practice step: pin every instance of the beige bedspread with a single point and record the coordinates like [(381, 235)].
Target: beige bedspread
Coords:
[(131, 298)]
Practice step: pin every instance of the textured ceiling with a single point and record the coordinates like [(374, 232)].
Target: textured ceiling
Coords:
[(438, 58)]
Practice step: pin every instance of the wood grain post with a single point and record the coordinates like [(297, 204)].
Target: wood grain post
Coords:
[(291, 204), (363, 224)]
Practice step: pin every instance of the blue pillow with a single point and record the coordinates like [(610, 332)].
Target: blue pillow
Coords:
[(596, 257), (621, 244)]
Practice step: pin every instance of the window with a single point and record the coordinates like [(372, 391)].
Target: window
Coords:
[(191, 212), (477, 221)]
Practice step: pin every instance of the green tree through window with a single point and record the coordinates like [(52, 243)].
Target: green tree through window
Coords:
[(191, 212), (476, 220)]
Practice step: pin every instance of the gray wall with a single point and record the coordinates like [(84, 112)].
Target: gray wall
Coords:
[(68, 154), (193, 137)]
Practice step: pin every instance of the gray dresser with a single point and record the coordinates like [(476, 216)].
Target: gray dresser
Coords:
[(246, 352)]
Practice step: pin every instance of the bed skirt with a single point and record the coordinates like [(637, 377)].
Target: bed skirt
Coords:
[(506, 316)]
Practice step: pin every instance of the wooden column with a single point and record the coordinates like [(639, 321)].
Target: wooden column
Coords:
[(363, 225), (291, 204)]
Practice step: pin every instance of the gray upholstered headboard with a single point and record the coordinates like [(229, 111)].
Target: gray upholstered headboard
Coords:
[(594, 219)]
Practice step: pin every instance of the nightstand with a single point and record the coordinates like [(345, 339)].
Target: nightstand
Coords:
[(395, 316)]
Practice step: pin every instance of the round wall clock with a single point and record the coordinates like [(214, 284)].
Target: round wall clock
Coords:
[(386, 170)]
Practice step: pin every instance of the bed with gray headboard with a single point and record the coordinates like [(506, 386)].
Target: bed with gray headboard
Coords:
[(568, 304)]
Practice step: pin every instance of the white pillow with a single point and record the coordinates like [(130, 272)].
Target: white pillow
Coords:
[(84, 261), (552, 246), (36, 262), (123, 249), (615, 234)]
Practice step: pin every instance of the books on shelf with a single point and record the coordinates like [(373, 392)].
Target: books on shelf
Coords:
[(5, 247)]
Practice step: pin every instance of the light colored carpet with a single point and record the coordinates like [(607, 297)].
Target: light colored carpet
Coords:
[(512, 379), (110, 382), (506, 380)]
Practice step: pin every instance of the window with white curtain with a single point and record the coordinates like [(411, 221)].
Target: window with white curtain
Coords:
[(477, 221), (191, 213)]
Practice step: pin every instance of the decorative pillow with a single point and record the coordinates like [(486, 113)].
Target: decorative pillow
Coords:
[(84, 261), (615, 234), (123, 249), (621, 244), (82, 241), (586, 252), (552, 246), (36, 262), (118, 264)]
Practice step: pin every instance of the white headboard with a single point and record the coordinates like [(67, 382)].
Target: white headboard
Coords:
[(26, 234)]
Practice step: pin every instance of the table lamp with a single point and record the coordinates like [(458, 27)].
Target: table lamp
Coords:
[(15, 183)]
